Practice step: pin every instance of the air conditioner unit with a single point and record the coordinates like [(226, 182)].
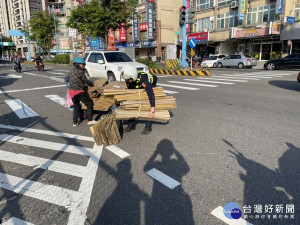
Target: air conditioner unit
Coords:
[(234, 4)]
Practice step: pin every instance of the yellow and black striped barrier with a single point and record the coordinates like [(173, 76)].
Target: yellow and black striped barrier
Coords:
[(181, 72), (171, 64)]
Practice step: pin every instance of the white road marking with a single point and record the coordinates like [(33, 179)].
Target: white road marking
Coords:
[(237, 77), (51, 78), (31, 89), (63, 70), (58, 99), (55, 73), (208, 81), (78, 213), (248, 77), (187, 83), (10, 76), (165, 76), (21, 109), (163, 178), (16, 221), (47, 132), (41, 163), (180, 87), (218, 212), (170, 92), (45, 144), (119, 152), (48, 193), (253, 76), (215, 78)]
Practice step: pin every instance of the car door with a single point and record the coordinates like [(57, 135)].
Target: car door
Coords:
[(287, 62), (100, 67), (232, 60), (90, 63), (296, 61), (226, 61)]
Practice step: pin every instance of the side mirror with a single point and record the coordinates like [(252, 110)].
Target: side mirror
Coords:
[(101, 61), (134, 60)]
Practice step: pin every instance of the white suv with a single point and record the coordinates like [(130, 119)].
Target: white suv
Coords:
[(109, 64)]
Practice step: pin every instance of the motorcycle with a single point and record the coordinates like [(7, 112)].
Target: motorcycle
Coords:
[(40, 66), (18, 67)]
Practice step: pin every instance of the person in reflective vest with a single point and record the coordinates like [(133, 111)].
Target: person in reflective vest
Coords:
[(138, 80)]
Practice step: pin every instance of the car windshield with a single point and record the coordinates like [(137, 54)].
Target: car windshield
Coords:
[(85, 56), (248, 56), (117, 57), (212, 58)]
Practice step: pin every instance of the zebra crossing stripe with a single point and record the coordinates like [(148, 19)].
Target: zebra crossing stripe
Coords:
[(46, 144), (180, 87), (16, 221), (187, 83), (237, 77), (31, 89), (11, 76), (58, 99), (170, 92), (163, 178), (119, 152), (56, 73), (208, 81), (47, 132), (227, 79), (49, 193), (41, 163), (21, 109)]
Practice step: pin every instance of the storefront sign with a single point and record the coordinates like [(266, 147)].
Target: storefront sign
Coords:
[(129, 45), (149, 0), (279, 5), (148, 44), (143, 26), (96, 43), (200, 37), (275, 28), (72, 32), (150, 20), (251, 33), (111, 37), (9, 44), (242, 9), (64, 44), (122, 33), (289, 19), (135, 28)]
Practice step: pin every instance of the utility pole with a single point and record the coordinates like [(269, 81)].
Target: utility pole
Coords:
[(57, 46), (182, 23), (27, 38), (2, 45)]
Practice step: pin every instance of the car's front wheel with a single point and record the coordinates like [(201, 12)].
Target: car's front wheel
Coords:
[(271, 66), (241, 65), (214, 65), (111, 77), (220, 65)]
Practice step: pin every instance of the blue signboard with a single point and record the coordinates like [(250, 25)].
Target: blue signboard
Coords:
[(242, 10), (290, 19), (135, 28), (96, 43), (141, 44), (193, 43), (279, 6), (150, 20), (16, 33)]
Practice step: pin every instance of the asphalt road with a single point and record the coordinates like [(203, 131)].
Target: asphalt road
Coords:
[(233, 138)]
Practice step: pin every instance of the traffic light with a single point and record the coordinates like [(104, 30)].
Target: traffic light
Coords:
[(191, 16), (182, 16)]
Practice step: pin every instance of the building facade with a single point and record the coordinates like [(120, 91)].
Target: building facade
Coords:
[(262, 32), (14, 15)]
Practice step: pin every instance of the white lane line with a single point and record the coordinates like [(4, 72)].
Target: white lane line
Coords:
[(21, 109), (55, 73), (48, 193), (45, 164), (218, 212), (63, 70), (163, 178), (51, 78), (208, 81), (180, 87), (58, 99), (10, 76), (187, 83), (170, 92), (215, 78), (242, 78), (45, 144), (47, 132), (252, 76), (79, 209), (31, 89), (16, 221), (165, 76), (116, 150)]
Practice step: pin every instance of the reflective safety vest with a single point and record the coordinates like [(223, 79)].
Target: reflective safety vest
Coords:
[(151, 79)]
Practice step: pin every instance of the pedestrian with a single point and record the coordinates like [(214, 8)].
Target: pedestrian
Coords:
[(15, 60), (139, 80), (77, 81)]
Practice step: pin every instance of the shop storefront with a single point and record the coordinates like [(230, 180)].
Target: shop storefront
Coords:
[(143, 49), (261, 43), (290, 35)]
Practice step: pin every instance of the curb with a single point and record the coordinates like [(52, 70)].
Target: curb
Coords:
[(181, 72)]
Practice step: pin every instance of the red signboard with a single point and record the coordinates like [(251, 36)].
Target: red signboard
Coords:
[(111, 37), (200, 37), (143, 26), (122, 33), (112, 47), (149, 0)]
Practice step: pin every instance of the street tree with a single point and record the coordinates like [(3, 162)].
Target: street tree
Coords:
[(42, 30), (96, 18)]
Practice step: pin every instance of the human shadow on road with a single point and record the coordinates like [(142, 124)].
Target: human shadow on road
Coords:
[(286, 84), (168, 206), (123, 206), (6, 81), (269, 189)]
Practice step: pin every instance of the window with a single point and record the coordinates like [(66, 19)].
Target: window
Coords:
[(227, 20), (224, 2), (262, 14), (143, 17), (204, 24), (86, 55), (144, 35), (203, 4), (297, 11), (117, 57), (99, 56), (92, 58)]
